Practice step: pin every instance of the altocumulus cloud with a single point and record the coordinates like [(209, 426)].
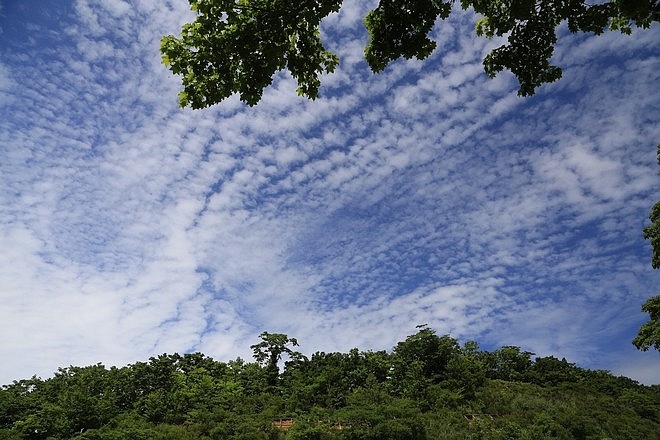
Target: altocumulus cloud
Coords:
[(425, 194)]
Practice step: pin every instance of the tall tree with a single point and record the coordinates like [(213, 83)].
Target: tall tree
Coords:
[(236, 46), (270, 350), (649, 333), (421, 360)]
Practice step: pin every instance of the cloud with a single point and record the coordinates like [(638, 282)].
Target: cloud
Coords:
[(425, 194)]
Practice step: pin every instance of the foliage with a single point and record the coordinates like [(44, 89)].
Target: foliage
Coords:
[(509, 363), (236, 46), (649, 333), (270, 350), (421, 360), (652, 231), (426, 387), (552, 371)]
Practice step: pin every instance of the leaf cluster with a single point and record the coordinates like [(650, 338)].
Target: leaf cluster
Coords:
[(649, 333), (237, 46)]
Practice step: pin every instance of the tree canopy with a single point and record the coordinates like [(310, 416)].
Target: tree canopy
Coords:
[(649, 333), (427, 387), (236, 46), (270, 350), (652, 231)]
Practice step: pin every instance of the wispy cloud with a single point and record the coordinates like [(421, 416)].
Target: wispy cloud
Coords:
[(425, 194)]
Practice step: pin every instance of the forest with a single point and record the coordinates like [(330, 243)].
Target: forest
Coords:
[(427, 387)]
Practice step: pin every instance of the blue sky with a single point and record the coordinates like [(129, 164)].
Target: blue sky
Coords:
[(426, 194)]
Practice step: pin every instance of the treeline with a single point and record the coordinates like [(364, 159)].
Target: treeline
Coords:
[(427, 387)]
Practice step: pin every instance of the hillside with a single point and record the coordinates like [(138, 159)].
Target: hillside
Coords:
[(427, 387)]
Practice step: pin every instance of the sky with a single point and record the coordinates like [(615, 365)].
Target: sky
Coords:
[(426, 194)]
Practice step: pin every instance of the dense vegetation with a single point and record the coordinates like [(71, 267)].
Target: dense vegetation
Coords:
[(427, 387)]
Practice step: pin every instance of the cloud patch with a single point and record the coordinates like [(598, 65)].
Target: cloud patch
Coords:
[(425, 194)]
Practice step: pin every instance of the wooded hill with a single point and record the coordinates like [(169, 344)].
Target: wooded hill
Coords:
[(427, 387)]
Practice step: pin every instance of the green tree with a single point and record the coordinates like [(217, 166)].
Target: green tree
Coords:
[(373, 414), (327, 378), (420, 361), (356, 395), (18, 400), (269, 352), (649, 333), (125, 426), (466, 372), (509, 363), (552, 371), (236, 46), (652, 231)]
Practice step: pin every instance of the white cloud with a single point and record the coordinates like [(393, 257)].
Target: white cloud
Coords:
[(7, 84), (425, 194)]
